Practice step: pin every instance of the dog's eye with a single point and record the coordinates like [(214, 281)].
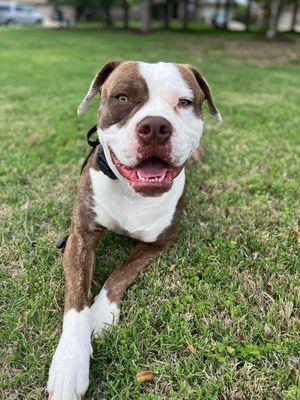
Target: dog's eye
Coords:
[(122, 98), (184, 102)]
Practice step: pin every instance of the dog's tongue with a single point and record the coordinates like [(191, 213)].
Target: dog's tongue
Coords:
[(152, 168)]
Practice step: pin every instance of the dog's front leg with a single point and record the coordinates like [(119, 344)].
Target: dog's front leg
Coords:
[(106, 308), (69, 371)]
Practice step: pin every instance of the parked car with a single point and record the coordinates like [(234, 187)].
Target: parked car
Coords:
[(17, 13), (220, 19)]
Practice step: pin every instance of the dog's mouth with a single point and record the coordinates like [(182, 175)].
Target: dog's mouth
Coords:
[(151, 176)]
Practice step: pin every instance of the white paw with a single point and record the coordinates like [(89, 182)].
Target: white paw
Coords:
[(104, 313), (69, 371)]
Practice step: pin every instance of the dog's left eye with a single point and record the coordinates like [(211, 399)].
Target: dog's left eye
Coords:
[(122, 98), (184, 102)]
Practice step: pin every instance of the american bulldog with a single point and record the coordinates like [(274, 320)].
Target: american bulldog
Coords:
[(149, 122)]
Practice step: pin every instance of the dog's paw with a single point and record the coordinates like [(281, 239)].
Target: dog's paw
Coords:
[(69, 371), (104, 313)]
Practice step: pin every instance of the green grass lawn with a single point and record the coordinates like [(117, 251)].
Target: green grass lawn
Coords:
[(229, 287)]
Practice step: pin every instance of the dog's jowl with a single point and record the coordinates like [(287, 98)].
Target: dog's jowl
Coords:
[(149, 122)]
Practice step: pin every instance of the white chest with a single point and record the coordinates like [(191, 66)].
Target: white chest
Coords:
[(121, 210)]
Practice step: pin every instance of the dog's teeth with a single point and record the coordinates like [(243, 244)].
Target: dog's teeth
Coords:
[(151, 179)]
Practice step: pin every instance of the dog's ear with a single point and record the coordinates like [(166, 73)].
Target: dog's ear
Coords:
[(208, 97), (96, 84)]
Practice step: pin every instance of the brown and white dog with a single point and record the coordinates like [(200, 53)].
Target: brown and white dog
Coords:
[(149, 122)]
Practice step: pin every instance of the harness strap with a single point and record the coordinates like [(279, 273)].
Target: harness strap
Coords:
[(101, 159)]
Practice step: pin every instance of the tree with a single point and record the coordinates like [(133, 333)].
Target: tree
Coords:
[(295, 13), (81, 6), (185, 15), (167, 13), (105, 7), (218, 5), (125, 13), (279, 11), (146, 17), (248, 15), (272, 28), (227, 11)]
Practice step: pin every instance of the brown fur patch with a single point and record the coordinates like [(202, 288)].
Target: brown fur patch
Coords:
[(192, 76), (79, 256), (189, 77), (124, 80)]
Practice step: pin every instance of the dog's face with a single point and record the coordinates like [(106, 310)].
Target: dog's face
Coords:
[(149, 120)]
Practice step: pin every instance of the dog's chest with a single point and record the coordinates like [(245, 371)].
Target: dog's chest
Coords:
[(125, 212)]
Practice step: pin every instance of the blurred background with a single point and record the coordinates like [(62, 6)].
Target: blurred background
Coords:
[(237, 15)]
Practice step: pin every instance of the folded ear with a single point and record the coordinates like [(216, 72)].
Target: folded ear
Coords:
[(208, 97), (96, 84)]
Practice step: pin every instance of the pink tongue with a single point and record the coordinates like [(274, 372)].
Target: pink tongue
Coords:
[(152, 168)]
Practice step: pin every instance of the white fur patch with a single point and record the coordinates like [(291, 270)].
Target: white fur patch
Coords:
[(104, 313), (84, 105), (69, 371), (120, 209), (166, 86)]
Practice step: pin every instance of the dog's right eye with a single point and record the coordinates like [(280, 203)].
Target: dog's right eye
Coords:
[(122, 98)]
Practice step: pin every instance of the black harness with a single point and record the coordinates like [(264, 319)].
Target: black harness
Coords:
[(102, 165), (101, 159)]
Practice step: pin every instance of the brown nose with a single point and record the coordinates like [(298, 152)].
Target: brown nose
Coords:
[(154, 130)]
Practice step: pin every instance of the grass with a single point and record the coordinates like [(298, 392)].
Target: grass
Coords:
[(229, 288)]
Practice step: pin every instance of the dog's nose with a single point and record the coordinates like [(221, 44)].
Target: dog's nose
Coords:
[(154, 130)]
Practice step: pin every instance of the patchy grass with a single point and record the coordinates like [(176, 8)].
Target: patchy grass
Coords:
[(229, 288)]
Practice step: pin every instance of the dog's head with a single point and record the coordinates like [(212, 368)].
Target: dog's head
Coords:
[(149, 120)]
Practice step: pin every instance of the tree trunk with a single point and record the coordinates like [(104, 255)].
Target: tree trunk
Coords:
[(167, 13), (294, 17), (108, 18), (218, 5), (227, 11), (105, 6), (248, 16), (185, 18), (146, 17), (80, 13), (126, 14), (273, 19), (279, 12)]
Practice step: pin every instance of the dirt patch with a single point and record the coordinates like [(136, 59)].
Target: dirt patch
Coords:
[(260, 52), (5, 211), (264, 53)]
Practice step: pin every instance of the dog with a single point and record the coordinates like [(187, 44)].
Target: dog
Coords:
[(149, 122)]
